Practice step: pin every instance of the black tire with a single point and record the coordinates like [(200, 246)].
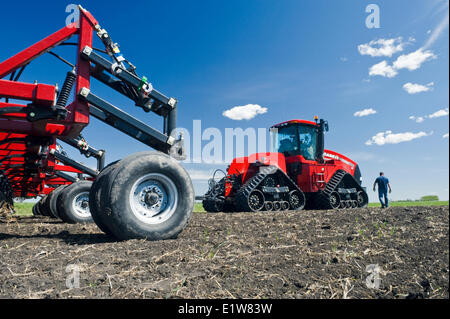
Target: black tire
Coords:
[(51, 201), (122, 210), (284, 205), (67, 200), (36, 210), (42, 208), (95, 198)]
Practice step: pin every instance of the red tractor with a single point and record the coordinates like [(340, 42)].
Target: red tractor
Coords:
[(300, 174)]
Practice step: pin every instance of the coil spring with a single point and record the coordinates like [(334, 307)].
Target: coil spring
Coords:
[(66, 89)]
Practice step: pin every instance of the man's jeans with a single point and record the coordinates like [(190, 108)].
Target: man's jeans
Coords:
[(386, 200)]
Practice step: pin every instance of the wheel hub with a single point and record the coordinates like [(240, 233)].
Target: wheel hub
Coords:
[(153, 198), (84, 204), (80, 205)]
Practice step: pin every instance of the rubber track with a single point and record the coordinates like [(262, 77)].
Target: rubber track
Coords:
[(331, 186), (241, 198)]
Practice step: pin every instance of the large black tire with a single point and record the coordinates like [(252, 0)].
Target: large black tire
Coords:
[(95, 198), (69, 198), (50, 202), (149, 195)]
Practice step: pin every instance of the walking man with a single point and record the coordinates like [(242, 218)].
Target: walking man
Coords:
[(383, 185)]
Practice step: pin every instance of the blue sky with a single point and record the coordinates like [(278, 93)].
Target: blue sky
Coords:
[(295, 58)]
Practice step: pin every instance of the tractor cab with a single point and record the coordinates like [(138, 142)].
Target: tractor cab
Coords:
[(300, 137)]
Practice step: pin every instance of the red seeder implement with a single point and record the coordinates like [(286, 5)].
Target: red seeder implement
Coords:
[(145, 195)]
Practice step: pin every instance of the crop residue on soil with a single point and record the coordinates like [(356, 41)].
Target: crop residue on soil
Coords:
[(307, 254)]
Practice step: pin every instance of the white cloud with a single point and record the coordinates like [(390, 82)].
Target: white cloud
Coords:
[(413, 60), (381, 47), (413, 88), (388, 137), (445, 135), (418, 119), (245, 112), (439, 113), (364, 112), (382, 69)]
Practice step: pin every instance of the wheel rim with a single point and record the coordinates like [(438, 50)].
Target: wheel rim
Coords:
[(268, 206), (360, 199), (80, 205), (256, 200), (153, 198), (335, 200), (270, 181), (285, 206), (295, 200), (276, 206)]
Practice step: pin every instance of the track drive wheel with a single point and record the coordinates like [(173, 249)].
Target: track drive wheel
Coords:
[(256, 200), (334, 200), (297, 200), (362, 199)]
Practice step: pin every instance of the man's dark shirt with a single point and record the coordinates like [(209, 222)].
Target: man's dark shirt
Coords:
[(382, 184)]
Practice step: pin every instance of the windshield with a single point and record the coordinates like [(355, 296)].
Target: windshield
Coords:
[(296, 140)]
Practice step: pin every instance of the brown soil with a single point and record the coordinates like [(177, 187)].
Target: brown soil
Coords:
[(308, 254)]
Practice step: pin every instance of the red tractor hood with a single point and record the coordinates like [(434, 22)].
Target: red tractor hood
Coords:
[(331, 155), (240, 165)]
